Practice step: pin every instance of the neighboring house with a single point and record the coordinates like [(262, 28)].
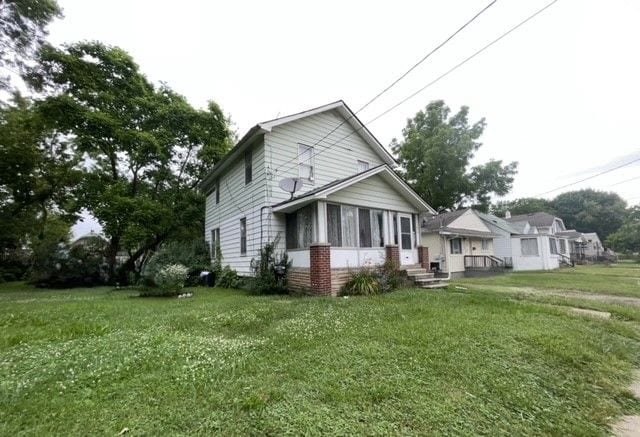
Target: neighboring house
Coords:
[(551, 248), (459, 243), (352, 211), (577, 243), (593, 248)]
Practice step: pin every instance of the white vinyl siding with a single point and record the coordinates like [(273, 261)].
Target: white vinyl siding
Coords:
[(373, 192), (362, 166), (237, 200), (529, 246)]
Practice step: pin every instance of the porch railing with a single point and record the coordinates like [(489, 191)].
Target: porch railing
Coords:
[(483, 262)]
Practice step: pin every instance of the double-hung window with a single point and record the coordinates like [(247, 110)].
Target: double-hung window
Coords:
[(305, 162), (553, 246), (456, 246), (243, 236), (529, 246), (215, 241)]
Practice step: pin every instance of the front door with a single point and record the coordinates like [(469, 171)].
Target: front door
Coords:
[(406, 238)]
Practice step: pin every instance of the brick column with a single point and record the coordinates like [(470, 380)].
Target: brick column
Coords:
[(423, 257), (320, 268), (393, 254)]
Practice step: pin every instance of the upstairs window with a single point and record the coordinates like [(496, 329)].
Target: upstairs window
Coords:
[(217, 188), (305, 162), (362, 166), (529, 246), (243, 236), (248, 166), (456, 246)]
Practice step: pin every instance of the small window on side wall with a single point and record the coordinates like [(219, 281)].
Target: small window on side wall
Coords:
[(248, 166), (215, 241), (243, 236), (217, 188), (456, 246)]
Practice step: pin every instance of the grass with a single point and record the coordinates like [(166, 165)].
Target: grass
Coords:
[(94, 361), (619, 280)]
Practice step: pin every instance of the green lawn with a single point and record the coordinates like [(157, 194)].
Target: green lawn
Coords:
[(411, 362), (621, 279)]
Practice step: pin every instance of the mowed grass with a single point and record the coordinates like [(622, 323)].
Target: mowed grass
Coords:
[(96, 361), (619, 280)]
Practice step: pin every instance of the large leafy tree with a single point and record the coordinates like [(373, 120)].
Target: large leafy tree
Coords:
[(435, 154), (591, 211), (23, 26), (38, 175), (627, 237), (145, 148), (524, 205)]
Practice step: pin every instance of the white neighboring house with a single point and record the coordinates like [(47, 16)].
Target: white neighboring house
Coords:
[(527, 242), (460, 243), (593, 247), (352, 211)]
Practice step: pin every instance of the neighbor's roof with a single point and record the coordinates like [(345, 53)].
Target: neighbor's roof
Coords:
[(536, 219), (322, 192), (266, 126), (500, 223), (440, 224), (571, 233), (442, 220)]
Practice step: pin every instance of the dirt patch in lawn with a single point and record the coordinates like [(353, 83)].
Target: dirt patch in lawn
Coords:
[(531, 291), (590, 313)]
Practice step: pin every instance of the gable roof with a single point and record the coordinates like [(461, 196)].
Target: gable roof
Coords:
[(266, 126), (537, 219), (498, 222), (322, 192), (441, 224)]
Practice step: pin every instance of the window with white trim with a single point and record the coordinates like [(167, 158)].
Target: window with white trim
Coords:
[(362, 166), (305, 162), (563, 246), (215, 241), (529, 246), (348, 226), (248, 166), (243, 236), (217, 188), (553, 246), (456, 246), (485, 244)]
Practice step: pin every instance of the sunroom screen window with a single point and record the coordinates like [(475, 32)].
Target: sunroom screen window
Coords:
[(299, 228), (376, 228), (334, 228), (364, 225), (349, 226)]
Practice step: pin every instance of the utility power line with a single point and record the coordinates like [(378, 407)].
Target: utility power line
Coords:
[(451, 70), (377, 96), (590, 177), (622, 182)]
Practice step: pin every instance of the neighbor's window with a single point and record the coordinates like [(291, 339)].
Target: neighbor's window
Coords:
[(553, 246), (362, 166), (299, 228), (243, 236), (215, 239), (217, 188), (349, 226), (248, 166), (456, 246), (305, 162), (563, 246), (485, 244), (529, 246)]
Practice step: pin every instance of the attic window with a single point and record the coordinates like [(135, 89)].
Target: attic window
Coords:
[(305, 162)]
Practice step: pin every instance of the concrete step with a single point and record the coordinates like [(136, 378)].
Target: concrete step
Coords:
[(421, 276), (416, 271), (426, 280), (410, 266)]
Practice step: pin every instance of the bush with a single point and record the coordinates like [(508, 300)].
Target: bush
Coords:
[(389, 276), (171, 279), (228, 278), (270, 271), (364, 282), (193, 255)]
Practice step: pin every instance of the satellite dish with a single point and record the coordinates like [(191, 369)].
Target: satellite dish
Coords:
[(291, 185)]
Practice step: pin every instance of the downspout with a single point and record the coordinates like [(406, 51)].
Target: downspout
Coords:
[(446, 259)]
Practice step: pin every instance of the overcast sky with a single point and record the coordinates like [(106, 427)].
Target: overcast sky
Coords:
[(559, 95)]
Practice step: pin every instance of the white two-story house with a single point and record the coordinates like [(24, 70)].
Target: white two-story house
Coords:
[(352, 211)]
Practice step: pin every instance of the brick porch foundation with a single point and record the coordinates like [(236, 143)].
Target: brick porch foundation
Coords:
[(320, 268), (393, 254), (423, 257)]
